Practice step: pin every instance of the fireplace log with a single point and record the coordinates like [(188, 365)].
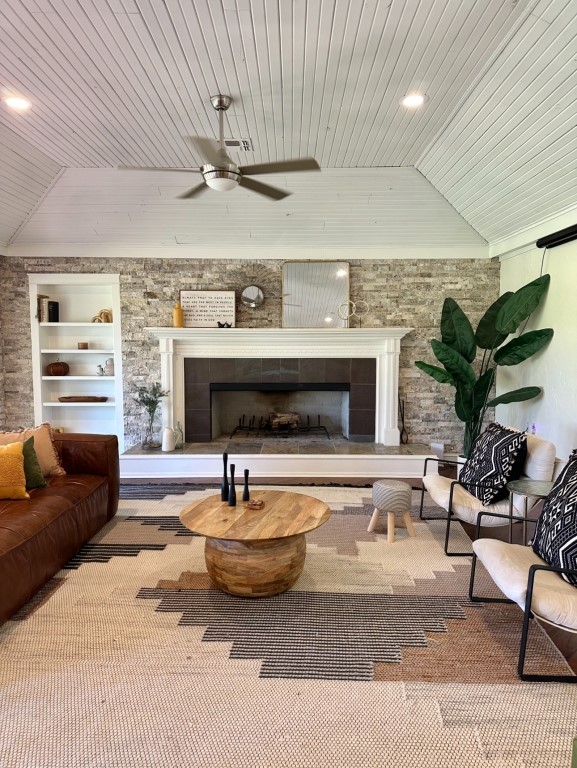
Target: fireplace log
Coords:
[(280, 420)]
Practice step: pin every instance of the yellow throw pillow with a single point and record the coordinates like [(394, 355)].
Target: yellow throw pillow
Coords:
[(43, 445), (12, 477)]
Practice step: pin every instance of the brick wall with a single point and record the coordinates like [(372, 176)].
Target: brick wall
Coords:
[(407, 293)]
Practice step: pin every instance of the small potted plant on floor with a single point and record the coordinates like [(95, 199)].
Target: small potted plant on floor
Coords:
[(149, 398)]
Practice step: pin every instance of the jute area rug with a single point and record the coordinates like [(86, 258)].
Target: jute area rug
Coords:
[(375, 658)]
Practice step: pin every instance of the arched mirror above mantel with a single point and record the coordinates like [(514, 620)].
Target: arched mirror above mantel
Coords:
[(312, 292)]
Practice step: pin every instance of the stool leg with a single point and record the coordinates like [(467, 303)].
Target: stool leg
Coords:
[(391, 527), (409, 523), (374, 520)]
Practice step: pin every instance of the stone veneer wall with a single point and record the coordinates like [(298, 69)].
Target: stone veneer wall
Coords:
[(403, 292)]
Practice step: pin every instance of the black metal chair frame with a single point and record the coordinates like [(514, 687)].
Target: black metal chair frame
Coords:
[(527, 613), (451, 517)]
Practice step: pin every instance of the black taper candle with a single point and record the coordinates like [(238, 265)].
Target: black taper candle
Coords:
[(224, 485), (245, 493), (232, 489)]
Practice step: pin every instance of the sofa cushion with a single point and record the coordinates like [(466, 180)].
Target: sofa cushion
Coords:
[(43, 446), (497, 456), (508, 565), (555, 538), (12, 477), (32, 469)]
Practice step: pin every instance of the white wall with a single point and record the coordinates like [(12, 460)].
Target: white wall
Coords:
[(554, 368)]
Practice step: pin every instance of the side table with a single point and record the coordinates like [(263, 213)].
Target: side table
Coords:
[(525, 487)]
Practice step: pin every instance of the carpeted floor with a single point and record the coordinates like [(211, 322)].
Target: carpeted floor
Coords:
[(375, 657)]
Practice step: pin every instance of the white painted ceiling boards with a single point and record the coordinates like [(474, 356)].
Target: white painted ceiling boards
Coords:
[(126, 82)]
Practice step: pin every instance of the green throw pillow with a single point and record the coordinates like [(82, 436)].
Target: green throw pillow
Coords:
[(34, 476)]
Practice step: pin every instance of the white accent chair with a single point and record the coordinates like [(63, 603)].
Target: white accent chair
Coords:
[(537, 588), (462, 505)]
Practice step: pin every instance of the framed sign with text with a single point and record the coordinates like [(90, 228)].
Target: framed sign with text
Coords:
[(208, 309)]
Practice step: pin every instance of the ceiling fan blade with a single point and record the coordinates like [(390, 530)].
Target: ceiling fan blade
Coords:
[(285, 166), (208, 149), (193, 191), (263, 189), (140, 168)]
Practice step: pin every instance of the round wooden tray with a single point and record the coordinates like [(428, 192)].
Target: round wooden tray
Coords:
[(82, 399)]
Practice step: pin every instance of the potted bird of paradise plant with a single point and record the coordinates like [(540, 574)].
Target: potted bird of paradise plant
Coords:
[(473, 379)]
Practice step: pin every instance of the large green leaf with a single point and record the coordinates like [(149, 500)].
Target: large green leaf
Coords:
[(523, 347), (470, 402), (515, 396), (454, 363), (487, 336), (456, 330), (437, 373), (464, 402), (481, 390), (521, 304)]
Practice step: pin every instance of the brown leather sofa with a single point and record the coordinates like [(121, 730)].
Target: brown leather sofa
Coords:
[(40, 534)]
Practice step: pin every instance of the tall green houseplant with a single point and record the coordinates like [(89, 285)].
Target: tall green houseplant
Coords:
[(457, 351)]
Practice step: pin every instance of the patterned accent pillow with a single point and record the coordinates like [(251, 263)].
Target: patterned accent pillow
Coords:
[(12, 478), (555, 539), (497, 456)]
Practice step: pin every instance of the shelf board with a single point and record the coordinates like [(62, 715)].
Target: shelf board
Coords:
[(78, 325), (77, 351), (78, 378), (52, 404)]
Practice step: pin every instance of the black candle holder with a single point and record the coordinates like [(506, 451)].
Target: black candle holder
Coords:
[(232, 489), (224, 486), (245, 493)]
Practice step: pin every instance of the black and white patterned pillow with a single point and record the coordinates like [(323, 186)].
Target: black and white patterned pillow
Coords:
[(555, 539), (497, 456)]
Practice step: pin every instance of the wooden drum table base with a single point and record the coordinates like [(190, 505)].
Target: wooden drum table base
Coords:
[(256, 553), (255, 568)]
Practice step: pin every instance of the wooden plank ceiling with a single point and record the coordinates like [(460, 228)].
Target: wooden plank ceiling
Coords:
[(127, 82)]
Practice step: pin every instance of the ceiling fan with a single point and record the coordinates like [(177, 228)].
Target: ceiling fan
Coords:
[(220, 173)]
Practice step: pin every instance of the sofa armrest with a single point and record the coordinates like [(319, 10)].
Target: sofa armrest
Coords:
[(84, 454)]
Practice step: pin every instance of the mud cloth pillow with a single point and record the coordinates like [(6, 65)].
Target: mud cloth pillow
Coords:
[(555, 539), (32, 470), (12, 477), (43, 445), (497, 456)]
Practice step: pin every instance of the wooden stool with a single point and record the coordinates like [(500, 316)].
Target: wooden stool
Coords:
[(391, 496)]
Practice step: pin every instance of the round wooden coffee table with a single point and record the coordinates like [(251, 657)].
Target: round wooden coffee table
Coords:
[(255, 553)]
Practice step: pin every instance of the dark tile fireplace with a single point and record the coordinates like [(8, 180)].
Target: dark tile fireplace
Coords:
[(355, 378)]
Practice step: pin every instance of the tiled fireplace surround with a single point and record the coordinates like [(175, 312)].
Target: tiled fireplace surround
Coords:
[(366, 359), (357, 376)]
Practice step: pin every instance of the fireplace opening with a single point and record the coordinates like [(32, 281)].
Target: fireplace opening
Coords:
[(322, 410)]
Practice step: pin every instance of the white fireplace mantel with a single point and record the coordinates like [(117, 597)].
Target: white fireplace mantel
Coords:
[(383, 344)]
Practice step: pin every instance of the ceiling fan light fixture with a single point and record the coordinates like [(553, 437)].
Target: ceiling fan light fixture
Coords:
[(221, 181), (413, 100)]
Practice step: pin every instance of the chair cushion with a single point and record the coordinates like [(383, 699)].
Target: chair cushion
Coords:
[(508, 565), (540, 462), (555, 538), (497, 456), (465, 506)]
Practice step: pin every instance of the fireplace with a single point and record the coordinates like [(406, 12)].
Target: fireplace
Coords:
[(253, 382), (363, 348)]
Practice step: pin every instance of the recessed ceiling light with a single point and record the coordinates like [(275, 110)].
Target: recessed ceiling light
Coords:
[(328, 319), (413, 100), (15, 102)]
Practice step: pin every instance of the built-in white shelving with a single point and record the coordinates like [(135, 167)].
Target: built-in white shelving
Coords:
[(80, 298)]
